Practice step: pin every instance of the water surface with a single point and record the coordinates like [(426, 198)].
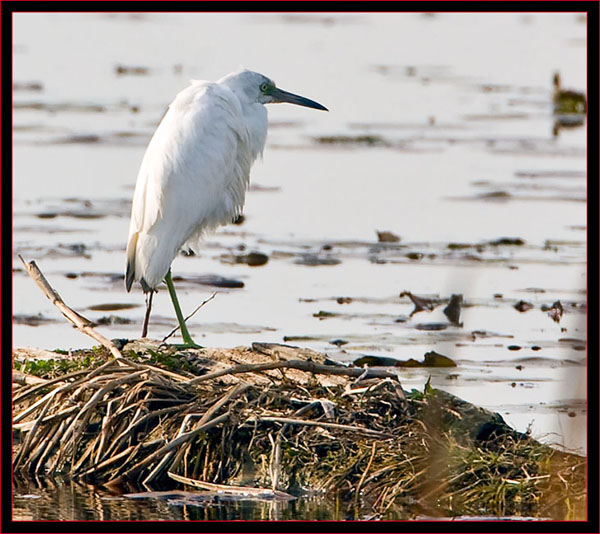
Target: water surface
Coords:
[(437, 133)]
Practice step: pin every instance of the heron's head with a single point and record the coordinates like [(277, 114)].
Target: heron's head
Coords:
[(256, 88)]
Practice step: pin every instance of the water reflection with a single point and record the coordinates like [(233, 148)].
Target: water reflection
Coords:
[(61, 500)]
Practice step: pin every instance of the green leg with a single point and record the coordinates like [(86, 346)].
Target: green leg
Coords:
[(185, 334)]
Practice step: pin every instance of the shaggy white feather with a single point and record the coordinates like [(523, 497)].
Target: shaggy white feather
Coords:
[(195, 170)]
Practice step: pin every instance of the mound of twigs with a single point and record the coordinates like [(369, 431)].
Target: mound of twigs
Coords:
[(276, 426), (274, 421)]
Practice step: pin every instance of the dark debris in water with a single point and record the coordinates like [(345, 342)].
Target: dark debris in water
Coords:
[(421, 303), (112, 306), (252, 259), (27, 86), (32, 320), (387, 237), (551, 173), (507, 241), (322, 314), (430, 359), (349, 140), (431, 327), (76, 214), (113, 320), (523, 306), (314, 260), (77, 107), (414, 255), (452, 310), (555, 312), (131, 70), (210, 280)]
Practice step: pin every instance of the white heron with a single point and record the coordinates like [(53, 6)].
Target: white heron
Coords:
[(195, 172)]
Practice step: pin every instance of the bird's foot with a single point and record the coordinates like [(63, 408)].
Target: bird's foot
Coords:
[(186, 345)]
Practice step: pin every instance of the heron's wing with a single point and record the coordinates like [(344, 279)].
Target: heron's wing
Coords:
[(193, 177)]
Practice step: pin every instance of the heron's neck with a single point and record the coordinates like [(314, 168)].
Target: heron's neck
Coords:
[(256, 122)]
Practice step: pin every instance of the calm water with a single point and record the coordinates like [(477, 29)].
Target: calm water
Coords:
[(464, 150)]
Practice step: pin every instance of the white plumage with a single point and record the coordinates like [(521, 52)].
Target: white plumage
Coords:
[(196, 169), (194, 175)]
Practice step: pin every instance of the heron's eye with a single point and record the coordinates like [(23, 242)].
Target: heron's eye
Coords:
[(264, 87)]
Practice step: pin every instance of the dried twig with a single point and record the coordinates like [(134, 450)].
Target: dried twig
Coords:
[(168, 447), (80, 322), (301, 365), (362, 478), (189, 317), (323, 424)]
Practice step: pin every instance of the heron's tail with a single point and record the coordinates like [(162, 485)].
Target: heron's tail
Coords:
[(130, 272)]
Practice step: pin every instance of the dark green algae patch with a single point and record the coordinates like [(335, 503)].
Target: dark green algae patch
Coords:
[(378, 450)]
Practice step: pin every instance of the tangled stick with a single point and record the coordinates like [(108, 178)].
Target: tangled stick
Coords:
[(81, 323)]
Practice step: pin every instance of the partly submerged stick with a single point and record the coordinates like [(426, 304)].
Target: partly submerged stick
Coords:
[(80, 322), (233, 490)]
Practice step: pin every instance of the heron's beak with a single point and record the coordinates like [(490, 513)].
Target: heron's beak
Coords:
[(279, 95)]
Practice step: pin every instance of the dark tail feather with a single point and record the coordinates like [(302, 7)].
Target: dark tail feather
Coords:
[(130, 272), (129, 275)]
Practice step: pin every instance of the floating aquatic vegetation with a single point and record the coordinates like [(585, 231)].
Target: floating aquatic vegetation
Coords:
[(523, 306), (253, 259), (430, 359), (387, 237), (367, 139), (121, 70)]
